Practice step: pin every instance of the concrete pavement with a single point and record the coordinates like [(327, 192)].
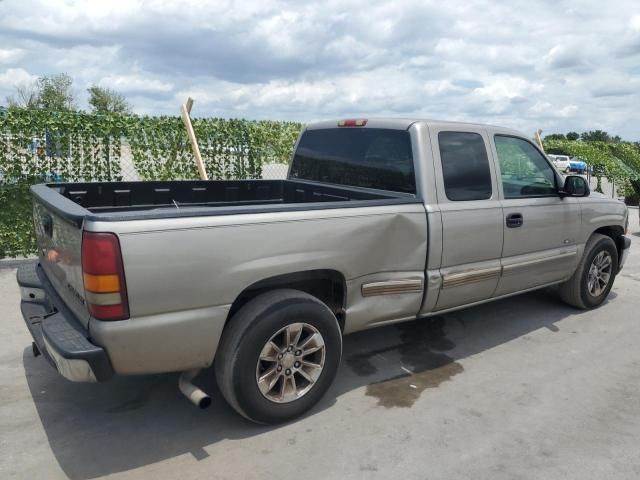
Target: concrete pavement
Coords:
[(523, 388)]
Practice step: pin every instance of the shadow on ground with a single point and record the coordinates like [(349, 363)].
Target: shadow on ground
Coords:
[(99, 429)]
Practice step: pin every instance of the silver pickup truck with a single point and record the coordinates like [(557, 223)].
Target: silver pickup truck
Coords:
[(379, 221)]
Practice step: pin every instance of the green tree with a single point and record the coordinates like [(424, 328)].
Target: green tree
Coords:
[(555, 136), (600, 136), (573, 136), (104, 100), (595, 136), (55, 93)]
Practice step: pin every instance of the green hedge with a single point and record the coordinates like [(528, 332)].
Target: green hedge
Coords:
[(619, 162), (38, 146)]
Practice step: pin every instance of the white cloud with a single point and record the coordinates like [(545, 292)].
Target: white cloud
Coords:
[(567, 111), (498, 93), (135, 83), (512, 63), (615, 87), (561, 56), (541, 107), (15, 76), (10, 55)]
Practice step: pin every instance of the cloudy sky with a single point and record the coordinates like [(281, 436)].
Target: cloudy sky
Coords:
[(556, 65)]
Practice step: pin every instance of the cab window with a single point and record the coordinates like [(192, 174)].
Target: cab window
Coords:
[(465, 166), (361, 157), (524, 171)]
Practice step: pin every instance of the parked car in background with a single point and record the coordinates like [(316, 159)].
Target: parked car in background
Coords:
[(578, 166), (561, 162), (379, 221)]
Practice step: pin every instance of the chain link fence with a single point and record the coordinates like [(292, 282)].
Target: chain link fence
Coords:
[(129, 172), (39, 146), (39, 162)]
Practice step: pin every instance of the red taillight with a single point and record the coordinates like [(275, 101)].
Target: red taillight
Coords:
[(360, 122), (104, 285)]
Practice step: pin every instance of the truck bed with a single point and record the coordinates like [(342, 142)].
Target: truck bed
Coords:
[(112, 201)]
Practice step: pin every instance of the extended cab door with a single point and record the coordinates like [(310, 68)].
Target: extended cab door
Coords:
[(471, 215), (540, 228)]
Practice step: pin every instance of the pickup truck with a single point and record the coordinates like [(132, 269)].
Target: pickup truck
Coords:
[(378, 221)]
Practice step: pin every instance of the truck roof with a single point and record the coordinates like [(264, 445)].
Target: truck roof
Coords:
[(405, 123)]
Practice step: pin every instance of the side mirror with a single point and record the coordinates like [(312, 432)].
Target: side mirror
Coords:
[(575, 186)]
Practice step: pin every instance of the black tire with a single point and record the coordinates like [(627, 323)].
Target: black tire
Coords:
[(243, 339), (575, 291)]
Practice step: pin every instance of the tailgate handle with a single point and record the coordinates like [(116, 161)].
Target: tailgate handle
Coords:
[(514, 220), (47, 224)]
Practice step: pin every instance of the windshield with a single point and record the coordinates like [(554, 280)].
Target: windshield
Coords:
[(360, 157)]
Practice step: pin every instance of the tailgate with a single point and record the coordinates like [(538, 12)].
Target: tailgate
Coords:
[(59, 248)]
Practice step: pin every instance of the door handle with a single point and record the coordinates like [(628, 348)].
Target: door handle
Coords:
[(514, 220)]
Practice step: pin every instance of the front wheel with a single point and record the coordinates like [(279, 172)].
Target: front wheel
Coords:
[(593, 279), (278, 356)]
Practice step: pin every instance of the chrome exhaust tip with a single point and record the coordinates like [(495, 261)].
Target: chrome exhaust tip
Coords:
[(197, 396)]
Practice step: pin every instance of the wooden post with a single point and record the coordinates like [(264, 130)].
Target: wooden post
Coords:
[(539, 139), (185, 110)]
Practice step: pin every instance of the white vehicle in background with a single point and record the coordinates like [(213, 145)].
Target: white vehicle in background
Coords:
[(561, 162)]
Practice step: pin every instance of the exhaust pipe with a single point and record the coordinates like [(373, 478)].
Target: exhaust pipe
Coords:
[(199, 398)]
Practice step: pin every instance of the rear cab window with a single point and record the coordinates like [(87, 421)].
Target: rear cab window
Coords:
[(377, 158), (465, 166)]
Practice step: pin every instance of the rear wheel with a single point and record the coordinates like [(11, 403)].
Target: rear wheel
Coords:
[(278, 356), (593, 279)]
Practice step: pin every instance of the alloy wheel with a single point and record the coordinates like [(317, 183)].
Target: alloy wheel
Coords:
[(599, 273), (290, 363)]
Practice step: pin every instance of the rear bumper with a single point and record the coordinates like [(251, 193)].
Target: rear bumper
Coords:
[(58, 334), (625, 243)]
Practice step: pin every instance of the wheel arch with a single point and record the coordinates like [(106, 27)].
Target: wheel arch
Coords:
[(327, 285), (615, 232)]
